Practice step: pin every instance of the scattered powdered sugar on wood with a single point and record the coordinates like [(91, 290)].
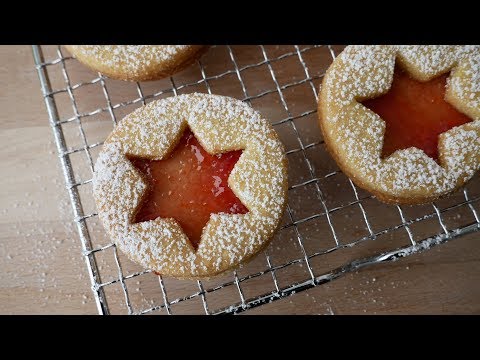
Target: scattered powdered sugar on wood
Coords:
[(220, 124)]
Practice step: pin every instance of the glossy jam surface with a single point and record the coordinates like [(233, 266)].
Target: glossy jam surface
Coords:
[(189, 186), (415, 113)]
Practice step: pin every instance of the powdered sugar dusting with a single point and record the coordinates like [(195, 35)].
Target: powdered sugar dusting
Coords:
[(465, 85), (117, 183), (365, 70), (461, 149), (362, 72), (133, 59), (220, 124), (427, 61)]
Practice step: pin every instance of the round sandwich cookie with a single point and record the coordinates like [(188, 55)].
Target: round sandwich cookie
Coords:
[(137, 62), (403, 122), (192, 185)]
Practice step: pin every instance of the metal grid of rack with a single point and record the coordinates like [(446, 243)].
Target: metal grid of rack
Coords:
[(330, 227)]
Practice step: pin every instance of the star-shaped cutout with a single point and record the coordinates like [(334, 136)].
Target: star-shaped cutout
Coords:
[(415, 113), (188, 186)]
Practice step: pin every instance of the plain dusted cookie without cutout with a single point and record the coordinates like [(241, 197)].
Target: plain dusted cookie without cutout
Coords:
[(258, 179), (137, 62), (354, 134)]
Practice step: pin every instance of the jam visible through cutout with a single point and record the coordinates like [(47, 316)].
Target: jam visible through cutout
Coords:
[(188, 186), (415, 113)]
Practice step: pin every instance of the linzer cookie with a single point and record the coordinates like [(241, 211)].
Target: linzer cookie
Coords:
[(191, 186), (403, 122), (137, 62)]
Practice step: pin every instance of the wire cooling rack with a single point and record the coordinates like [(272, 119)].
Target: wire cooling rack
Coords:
[(330, 228)]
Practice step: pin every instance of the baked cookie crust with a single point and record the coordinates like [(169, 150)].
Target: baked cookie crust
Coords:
[(353, 134), (221, 124), (137, 62)]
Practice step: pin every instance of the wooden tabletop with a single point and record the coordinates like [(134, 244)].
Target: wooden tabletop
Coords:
[(44, 272)]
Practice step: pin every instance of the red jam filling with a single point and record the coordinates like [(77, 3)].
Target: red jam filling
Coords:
[(415, 113), (188, 186)]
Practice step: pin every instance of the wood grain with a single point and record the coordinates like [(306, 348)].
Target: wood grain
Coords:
[(43, 271)]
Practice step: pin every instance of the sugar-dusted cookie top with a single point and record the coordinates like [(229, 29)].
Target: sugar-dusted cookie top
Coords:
[(355, 134), (221, 125), (137, 62)]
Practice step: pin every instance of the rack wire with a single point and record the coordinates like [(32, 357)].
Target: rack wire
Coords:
[(330, 228)]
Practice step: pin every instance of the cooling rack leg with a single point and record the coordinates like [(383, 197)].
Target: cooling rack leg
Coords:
[(98, 293)]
